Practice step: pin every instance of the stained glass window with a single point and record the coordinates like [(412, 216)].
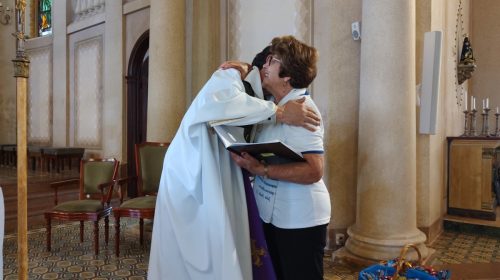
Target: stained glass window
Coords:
[(44, 17)]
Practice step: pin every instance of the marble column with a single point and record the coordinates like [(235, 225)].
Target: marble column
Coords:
[(167, 69), (386, 188), (113, 83), (60, 74)]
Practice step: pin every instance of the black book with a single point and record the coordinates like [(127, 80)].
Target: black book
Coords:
[(272, 152)]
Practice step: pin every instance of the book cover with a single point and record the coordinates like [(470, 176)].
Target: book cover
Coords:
[(272, 152)]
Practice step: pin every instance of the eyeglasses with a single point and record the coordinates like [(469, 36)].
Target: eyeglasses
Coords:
[(271, 60)]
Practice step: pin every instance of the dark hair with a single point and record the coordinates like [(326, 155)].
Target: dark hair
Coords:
[(260, 58), (298, 60)]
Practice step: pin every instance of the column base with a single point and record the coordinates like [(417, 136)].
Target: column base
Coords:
[(371, 249)]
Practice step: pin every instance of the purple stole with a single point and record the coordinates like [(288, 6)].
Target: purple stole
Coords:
[(262, 266)]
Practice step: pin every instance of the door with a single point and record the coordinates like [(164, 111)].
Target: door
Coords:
[(137, 102)]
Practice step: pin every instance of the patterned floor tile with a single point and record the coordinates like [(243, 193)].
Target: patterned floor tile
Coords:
[(71, 259)]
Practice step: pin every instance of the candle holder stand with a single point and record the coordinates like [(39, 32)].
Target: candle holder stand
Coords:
[(472, 126), (496, 133), (485, 129)]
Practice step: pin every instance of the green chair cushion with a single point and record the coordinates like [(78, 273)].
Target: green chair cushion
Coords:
[(140, 202), (87, 205)]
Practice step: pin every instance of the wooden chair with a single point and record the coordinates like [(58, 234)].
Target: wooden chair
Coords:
[(149, 164), (96, 175)]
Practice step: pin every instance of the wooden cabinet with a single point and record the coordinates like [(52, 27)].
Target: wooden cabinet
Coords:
[(471, 164)]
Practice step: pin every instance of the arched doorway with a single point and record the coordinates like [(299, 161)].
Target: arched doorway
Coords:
[(137, 102)]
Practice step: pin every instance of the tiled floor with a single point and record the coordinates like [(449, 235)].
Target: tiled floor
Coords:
[(470, 252), (456, 246)]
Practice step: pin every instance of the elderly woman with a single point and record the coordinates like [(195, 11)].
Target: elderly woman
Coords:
[(292, 198)]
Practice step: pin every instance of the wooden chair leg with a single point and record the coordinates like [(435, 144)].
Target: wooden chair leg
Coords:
[(106, 229), (117, 235), (141, 231), (81, 231), (96, 237), (49, 231)]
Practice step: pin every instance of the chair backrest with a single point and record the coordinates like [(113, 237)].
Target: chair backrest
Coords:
[(149, 165), (94, 172)]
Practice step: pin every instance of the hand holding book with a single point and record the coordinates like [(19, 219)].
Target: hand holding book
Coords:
[(271, 152)]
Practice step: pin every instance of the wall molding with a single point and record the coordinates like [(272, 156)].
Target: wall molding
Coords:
[(88, 92), (40, 96)]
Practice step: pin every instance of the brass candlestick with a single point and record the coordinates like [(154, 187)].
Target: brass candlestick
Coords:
[(472, 128), (485, 130), (466, 123)]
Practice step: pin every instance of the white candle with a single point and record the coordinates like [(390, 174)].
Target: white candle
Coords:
[(465, 103), (484, 103), (487, 103), (497, 110), (473, 103)]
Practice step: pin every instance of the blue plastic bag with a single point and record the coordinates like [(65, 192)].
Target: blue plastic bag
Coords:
[(400, 269), (383, 272)]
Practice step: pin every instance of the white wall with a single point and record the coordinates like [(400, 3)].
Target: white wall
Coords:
[(485, 39), (253, 24)]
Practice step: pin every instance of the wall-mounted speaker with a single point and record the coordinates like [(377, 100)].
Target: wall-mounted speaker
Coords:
[(430, 82), (356, 30)]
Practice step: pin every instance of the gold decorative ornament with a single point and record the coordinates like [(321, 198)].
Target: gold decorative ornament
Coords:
[(20, 20), (21, 67), (257, 254), (21, 62)]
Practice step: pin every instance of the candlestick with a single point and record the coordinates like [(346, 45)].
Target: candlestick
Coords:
[(485, 130), (472, 126)]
